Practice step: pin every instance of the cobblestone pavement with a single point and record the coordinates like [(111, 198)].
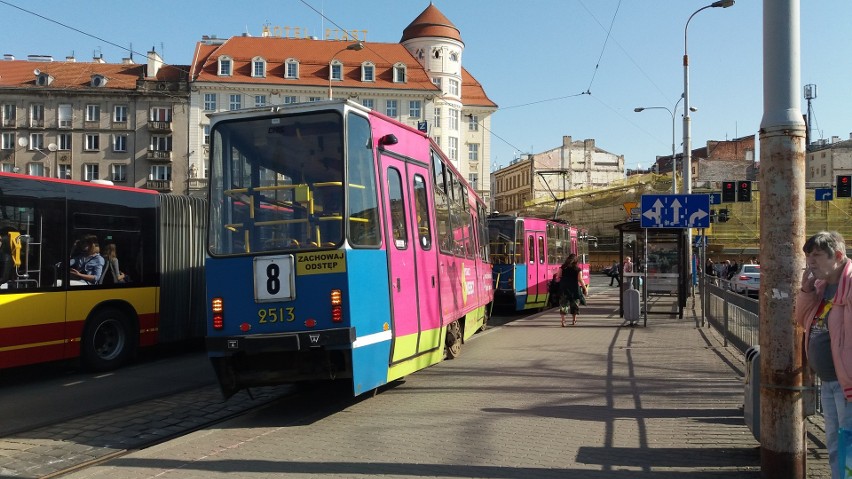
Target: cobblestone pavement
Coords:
[(528, 399)]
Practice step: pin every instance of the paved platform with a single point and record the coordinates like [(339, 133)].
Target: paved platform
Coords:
[(527, 399)]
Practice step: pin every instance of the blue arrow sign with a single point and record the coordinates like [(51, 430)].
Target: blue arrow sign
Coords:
[(823, 194), (675, 211), (715, 198)]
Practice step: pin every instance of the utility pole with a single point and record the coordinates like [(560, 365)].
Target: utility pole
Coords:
[(782, 234)]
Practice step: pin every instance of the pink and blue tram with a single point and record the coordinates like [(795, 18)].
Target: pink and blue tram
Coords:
[(342, 245), (526, 253)]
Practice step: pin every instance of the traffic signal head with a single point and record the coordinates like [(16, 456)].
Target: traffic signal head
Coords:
[(729, 191), (844, 186), (744, 190), (723, 215)]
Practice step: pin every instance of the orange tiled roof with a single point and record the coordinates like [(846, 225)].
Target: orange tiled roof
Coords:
[(78, 75), (472, 92), (431, 23)]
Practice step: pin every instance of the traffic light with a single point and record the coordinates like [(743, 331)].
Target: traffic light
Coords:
[(844, 186), (712, 216), (723, 216), (744, 191), (729, 191)]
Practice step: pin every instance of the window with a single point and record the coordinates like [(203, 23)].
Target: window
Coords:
[(399, 73), (160, 143), (391, 108), (37, 115), (119, 114), (368, 72), (206, 138), (235, 101), (209, 102), (93, 142), (397, 209), (36, 141), (258, 67), (314, 98), (414, 108), (437, 140), (472, 123), (161, 113), (260, 100), (437, 82), (63, 141), (63, 116), (119, 143), (454, 119), (64, 171), (9, 114), (90, 172), (473, 152), (454, 87), (437, 122), (224, 66), (93, 113), (369, 103), (454, 56), (8, 141), (473, 179), (118, 173), (36, 169), (292, 70), (7, 167), (290, 99), (336, 70), (160, 172), (453, 148), (424, 228)]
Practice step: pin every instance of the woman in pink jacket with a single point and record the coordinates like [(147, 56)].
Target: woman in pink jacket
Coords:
[(827, 325)]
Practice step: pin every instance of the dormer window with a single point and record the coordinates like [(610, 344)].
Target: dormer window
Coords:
[(368, 71), (258, 67), (43, 79), (225, 66), (98, 81), (292, 69), (336, 70), (399, 72), (454, 56)]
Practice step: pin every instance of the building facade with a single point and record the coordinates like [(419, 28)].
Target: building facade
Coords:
[(826, 160), (419, 81), (124, 122), (551, 174)]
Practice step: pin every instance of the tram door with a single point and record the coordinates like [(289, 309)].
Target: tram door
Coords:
[(412, 259), (536, 268)]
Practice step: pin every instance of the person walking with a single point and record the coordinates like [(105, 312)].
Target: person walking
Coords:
[(572, 289), (826, 321), (614, 274)]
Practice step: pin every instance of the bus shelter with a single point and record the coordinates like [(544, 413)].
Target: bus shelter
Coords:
[(659, 268)]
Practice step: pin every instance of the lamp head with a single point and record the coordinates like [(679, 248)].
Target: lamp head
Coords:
[(722, 3), (638, 109)]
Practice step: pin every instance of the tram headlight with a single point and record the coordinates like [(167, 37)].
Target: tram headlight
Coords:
[(336, 306), (217, 306)]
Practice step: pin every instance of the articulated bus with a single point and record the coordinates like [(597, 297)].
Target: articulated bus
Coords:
[(46, 314), (526, 253), (342, 245)]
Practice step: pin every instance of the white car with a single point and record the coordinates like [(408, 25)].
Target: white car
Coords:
[(747, 280)]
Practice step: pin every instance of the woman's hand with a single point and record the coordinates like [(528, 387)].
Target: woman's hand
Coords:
[(808, 280)]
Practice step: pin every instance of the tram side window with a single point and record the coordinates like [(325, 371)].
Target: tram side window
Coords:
[(483, 234), (363, 198), (424, 228), (30, 239), (399, 225), (519, 242), (442, 206)]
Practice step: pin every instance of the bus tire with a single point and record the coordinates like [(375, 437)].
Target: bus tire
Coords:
[(454, 340), (107, 340)]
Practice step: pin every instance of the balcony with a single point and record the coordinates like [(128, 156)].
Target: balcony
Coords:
[(197, 184), (164, 186), (7, 155), (9, 122), (36, 123), (160, 156), (159, 126)]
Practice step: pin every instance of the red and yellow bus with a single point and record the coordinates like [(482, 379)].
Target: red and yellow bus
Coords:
[(48, 315)]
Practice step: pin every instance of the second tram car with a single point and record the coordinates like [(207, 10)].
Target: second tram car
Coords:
[(343, 245), (526, 253)]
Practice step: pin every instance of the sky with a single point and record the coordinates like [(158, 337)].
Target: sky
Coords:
[(554, 67)]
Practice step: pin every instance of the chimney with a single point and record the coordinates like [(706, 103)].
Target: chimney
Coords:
[(9, 56), (835, 139), (99, 59), (127, 61), (70, 59), (154, 63)]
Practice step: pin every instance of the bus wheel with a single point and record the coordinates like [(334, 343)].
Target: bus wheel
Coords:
[(454, 340), (106, 342)]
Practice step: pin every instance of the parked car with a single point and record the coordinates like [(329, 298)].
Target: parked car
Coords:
[(746, 280)]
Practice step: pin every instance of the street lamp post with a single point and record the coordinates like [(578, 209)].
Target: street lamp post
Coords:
[(357, 46), (672, 113)]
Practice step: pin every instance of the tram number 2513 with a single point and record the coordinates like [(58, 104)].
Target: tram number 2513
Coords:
[(273, 278)]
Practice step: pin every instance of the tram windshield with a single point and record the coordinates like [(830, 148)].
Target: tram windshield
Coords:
[(504, 241)]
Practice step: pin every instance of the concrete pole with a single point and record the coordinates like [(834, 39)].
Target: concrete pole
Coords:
[(782, 234)]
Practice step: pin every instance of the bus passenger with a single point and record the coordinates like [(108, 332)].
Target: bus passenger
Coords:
[(112, 274), (88, 264)]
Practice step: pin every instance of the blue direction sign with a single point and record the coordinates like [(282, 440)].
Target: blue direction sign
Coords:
[(675, 211), (715, 198), (823, 194)]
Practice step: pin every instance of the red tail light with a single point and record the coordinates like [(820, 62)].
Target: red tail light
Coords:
[(217, 306), (336, 306), (743, 277)]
